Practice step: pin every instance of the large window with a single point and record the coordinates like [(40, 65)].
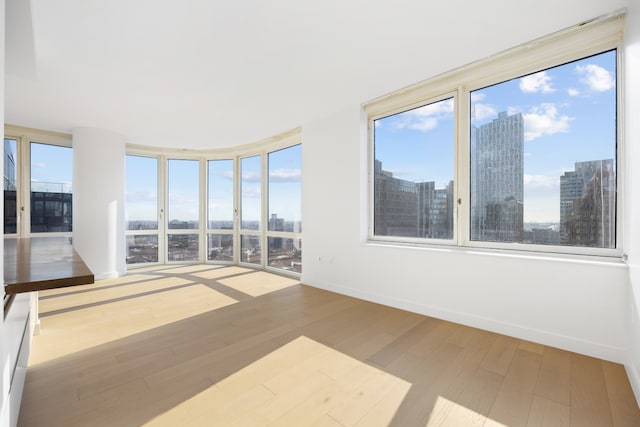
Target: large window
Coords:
[(224, 208), (10, 186), (51, 189), (543, 156), (285, 209), (142, 210), (519, 151), (183, 210), (250, 209), (220, 210), (413, 172)]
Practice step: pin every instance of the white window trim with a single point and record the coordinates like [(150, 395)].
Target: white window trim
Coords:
[(580, 41), (24, 136), (260, 148)]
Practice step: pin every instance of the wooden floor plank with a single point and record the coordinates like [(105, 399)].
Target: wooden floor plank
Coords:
[(181, 346), (589, 399), (513, 403), (624, 409)]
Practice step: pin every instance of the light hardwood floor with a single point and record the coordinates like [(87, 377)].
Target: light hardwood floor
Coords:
[(213, 346)]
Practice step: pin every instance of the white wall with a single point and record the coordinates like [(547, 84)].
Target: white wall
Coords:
[(574, 305), (98, 200), (632, 113), (587, 307)]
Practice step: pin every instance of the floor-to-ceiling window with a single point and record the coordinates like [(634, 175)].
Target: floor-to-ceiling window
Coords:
[(250, 209), (183, 210), (38, 190), (51, 188), (142, 210), (220, 210), (229, 208), (284, 229), (10, 186)]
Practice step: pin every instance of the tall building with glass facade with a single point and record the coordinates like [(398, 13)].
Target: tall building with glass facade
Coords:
[(587, 204), (497, 183)]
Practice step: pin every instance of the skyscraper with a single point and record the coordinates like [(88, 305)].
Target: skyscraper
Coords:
[(497, 185), (587, 204)]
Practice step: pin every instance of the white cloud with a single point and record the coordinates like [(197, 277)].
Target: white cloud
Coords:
[(251, 176), (544, 120), (595, 77), (482, 111), (40, 165), (285, 175), (424, 124), (573, 92), (536, 83), (425, 118)]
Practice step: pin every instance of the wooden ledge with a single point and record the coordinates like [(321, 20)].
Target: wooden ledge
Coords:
[(39, 263)]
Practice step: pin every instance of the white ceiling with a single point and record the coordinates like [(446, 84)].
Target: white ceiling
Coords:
[(208, 73)]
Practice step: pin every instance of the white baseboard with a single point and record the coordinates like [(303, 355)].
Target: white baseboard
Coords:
[(576, 345)]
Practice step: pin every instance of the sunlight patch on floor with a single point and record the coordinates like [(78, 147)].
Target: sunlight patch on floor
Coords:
[(218, 273), (446, 413), (103, 293), (123, 280), (83, 328), (301, 383), (258, 283)]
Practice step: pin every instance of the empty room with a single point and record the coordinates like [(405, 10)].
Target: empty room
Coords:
[(462, 175)]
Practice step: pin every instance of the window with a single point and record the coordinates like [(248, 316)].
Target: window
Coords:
[(519, 151), (250, 209), (10, 186), (220, 210), (183, 210), (543, 156), (413, 172), (51, 189), (285, 209), (217, 207), (142, 209)]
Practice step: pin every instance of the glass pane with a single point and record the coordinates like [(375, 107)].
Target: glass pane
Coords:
[(250, 249), (182, 247), (10, 186), (285, 189), (285, 254), (220, 247), (51, 190), (142, 193), (413, 172), (142, 248), (250, 190), (543, 156), (220, 199), (184, 194)]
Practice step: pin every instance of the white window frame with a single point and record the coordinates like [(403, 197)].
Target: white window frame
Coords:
[(583, 40), (259, 148), (159, 232), (24, 137)]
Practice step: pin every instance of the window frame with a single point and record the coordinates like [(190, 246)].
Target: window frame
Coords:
[(24, 137), (259, 148), (580, 41), (159, 231)]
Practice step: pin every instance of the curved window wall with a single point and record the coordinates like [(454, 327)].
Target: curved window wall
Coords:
[(228, 207)]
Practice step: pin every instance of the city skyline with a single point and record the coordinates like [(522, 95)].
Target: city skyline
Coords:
[(569, 116)]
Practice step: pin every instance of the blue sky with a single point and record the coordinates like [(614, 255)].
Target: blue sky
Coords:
[(569, 114), (51, 167)]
